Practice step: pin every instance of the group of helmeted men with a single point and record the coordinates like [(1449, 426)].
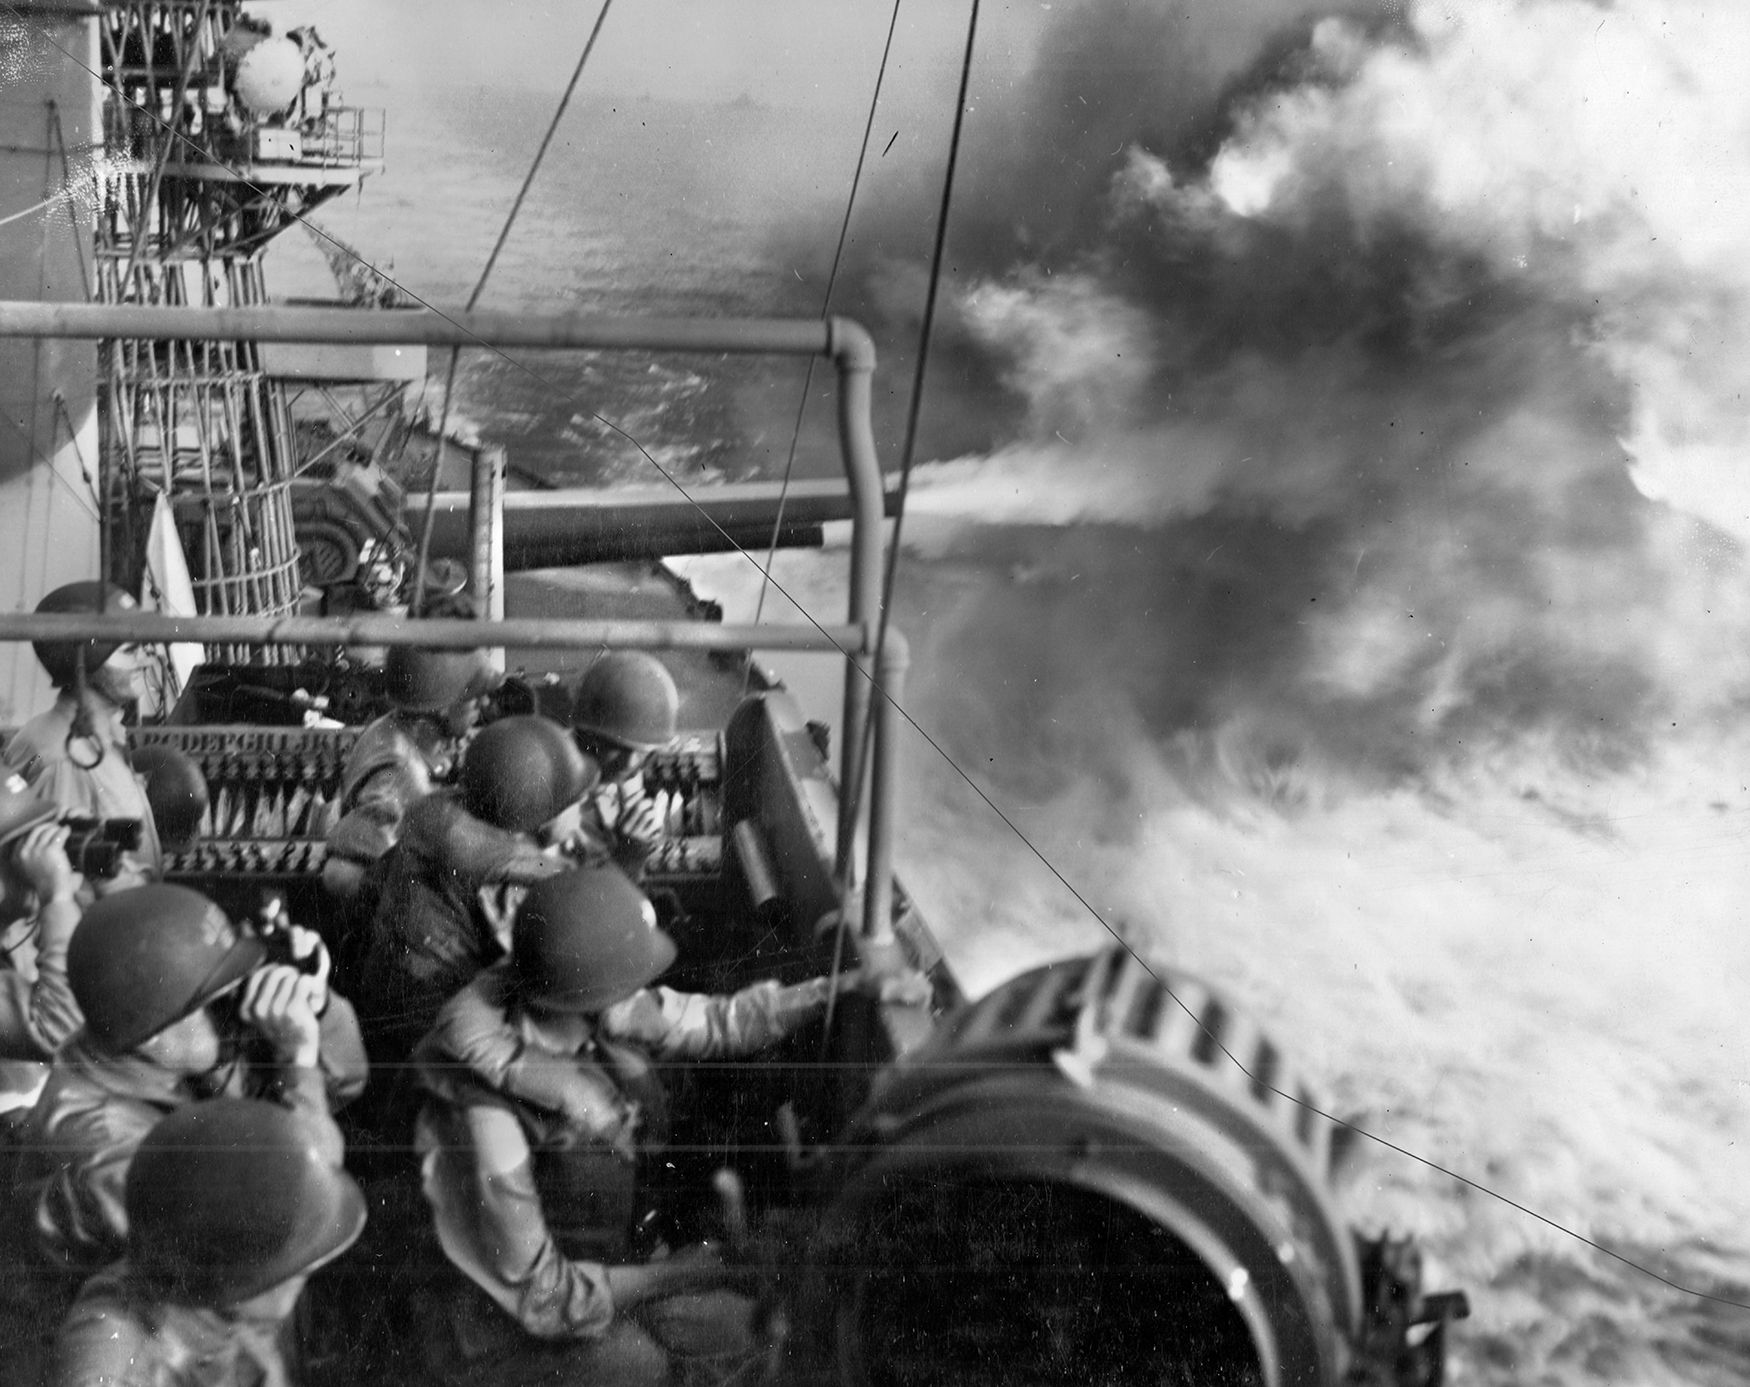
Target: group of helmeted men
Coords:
[(491, 1013)]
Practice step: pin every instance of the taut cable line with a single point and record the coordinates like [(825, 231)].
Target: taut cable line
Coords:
[(418, 603)]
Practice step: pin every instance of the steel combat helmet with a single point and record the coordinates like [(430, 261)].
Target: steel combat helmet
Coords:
[(144, 958), (61, 658), (176, 790), (521, 772), (629, 698), (583, 940), (230, 1197), (420, 680)]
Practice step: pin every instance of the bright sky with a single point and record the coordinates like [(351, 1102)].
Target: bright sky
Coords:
[(778, 51)]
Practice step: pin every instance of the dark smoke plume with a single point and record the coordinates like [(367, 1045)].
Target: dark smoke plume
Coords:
[(1322, 414)]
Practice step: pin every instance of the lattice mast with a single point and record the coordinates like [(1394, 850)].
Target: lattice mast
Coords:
[(219, 135)]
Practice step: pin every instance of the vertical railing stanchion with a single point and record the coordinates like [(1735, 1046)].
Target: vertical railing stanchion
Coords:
[(486, 538), (884, 781), (853, 352)]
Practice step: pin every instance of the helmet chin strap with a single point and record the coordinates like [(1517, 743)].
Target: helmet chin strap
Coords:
[(82, 730)]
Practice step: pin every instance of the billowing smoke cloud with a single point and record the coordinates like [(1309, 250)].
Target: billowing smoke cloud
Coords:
[(1596, 155), (1331, 568), (1394, 379), (1336, 568)]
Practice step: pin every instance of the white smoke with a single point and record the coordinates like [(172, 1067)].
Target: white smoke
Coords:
[(1449, 784), (1309, 624), (1602, 153)]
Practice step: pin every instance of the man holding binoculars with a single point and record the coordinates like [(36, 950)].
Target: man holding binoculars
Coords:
[(39, 909), (180, 1005), (75, 753)]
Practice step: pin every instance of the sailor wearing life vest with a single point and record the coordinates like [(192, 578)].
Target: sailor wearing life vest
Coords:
[(400, 759), (451, 884), (540, 1095)]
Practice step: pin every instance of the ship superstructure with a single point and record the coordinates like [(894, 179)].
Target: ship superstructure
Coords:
[(219, 135), (48, 410)]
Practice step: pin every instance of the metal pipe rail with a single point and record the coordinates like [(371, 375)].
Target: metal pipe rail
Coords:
[(845, 341), (895, 660), (444, 633)]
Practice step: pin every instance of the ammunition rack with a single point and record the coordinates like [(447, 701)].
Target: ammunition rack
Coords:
[(688, 774), (273, 795)]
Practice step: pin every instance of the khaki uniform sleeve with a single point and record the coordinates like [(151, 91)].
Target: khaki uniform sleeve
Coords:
[(54, 1014), (694, 1025), (100, 1347), (345, 1067), (81, 1219), (473, 1035), (61, 781)]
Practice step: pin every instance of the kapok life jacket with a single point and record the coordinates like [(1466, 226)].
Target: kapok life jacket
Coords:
[(591, 1194)]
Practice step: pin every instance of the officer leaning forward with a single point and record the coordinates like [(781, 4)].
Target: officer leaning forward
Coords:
[(453, 881), (400, 759), (230, 1205), (76, 752), (180, 1006), (535, 1196)]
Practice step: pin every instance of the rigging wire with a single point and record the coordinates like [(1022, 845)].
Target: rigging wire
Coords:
[(47, 460), (417, 603), (859, 764), (124, 282), (941, 751), (832, 278), (72, 190), (914, 407), (63, 195)]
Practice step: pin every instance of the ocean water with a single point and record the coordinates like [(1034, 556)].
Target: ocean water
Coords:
[(1496, 902)]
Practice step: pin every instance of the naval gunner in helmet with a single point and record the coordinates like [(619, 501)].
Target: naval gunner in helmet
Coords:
[(76, 752)]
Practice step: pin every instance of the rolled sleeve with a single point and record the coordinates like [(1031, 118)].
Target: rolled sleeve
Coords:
[(81, 1217), (54, 1014), (345, 1068), (694, 1025)]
